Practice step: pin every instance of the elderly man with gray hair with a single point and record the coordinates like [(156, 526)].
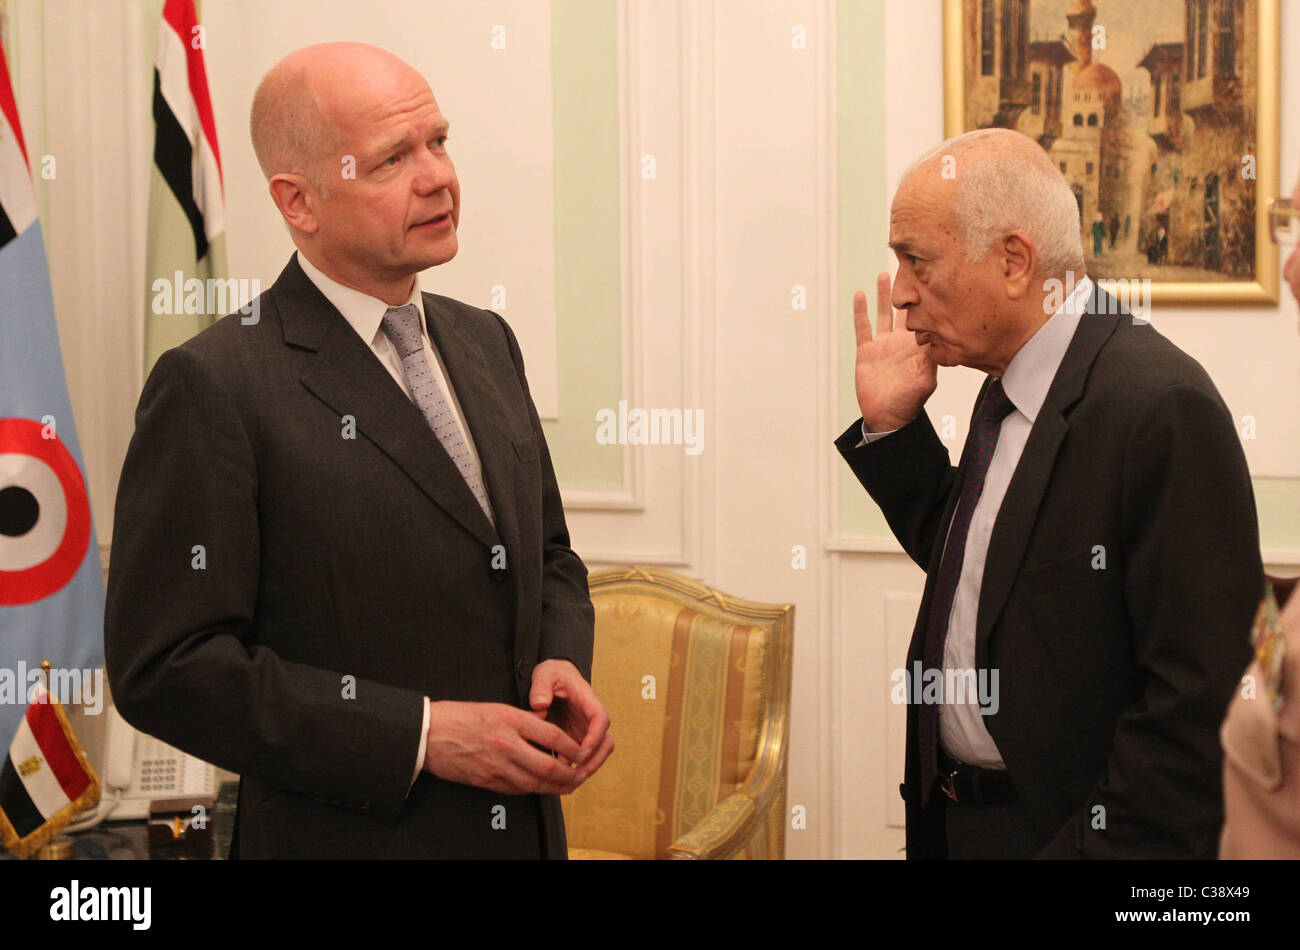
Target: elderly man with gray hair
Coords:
[(1093, 558)]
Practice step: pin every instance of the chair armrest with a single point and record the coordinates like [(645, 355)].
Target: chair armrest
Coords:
[(730, 824), (722, 833)]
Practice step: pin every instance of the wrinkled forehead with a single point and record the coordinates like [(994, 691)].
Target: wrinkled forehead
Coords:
[(922, 206)]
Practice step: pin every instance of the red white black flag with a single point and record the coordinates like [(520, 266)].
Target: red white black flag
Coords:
[(186, 239), (46, 780)]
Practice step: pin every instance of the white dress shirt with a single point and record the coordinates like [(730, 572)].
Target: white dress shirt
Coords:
[(1028, 377), (365, 314)]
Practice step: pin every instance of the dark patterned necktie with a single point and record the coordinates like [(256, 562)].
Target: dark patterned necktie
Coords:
[(980, 443)]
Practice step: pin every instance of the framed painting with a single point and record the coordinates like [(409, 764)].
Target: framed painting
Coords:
[(1161, 114)]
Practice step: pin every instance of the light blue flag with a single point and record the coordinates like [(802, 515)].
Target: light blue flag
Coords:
[(51, 584)]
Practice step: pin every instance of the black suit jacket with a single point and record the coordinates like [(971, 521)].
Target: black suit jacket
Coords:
[(297, 561), (1113, 681)]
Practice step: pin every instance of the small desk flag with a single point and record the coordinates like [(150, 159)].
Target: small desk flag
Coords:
[(46, 779)]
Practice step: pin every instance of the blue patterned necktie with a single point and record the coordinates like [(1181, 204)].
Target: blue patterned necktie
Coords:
[(402, 327), (981, 442)]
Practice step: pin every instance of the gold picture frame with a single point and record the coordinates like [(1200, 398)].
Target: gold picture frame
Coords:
[(1167, 255)]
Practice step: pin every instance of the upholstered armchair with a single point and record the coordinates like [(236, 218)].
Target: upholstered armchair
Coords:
[(697, 684)]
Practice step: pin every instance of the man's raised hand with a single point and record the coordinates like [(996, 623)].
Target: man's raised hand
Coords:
[(895, 375)]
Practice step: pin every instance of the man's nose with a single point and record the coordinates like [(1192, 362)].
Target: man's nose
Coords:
[(904, 293), (434, 172)]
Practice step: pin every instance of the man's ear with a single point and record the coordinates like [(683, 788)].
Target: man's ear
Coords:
[(297, 200), (1018, 262)]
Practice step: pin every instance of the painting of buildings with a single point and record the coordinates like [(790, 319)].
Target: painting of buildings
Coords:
[(1150, 111)]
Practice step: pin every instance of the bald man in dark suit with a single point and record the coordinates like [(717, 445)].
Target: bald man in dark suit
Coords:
[(340, 565)]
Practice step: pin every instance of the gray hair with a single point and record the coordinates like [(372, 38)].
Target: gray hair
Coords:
[(1009, 189)]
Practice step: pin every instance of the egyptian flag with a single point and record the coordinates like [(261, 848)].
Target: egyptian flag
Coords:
[(46, 780), (186, 207), (51, 584)]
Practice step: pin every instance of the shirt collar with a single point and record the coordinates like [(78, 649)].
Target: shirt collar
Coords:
[(1030, 373), (363, 312)]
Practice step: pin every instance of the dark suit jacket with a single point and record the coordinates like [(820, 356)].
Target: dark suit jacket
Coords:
[(344, 576), (1113, 682)]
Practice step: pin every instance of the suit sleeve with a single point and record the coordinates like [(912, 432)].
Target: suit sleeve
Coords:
[(1192, 579), (909, 475), (182, 659), (568, 619)]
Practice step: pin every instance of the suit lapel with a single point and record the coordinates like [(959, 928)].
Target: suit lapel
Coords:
[(486, 415), (346, 376), (1019, 511)]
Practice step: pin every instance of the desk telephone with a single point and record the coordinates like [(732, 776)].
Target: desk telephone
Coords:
[(146, 769), (136, 769)]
